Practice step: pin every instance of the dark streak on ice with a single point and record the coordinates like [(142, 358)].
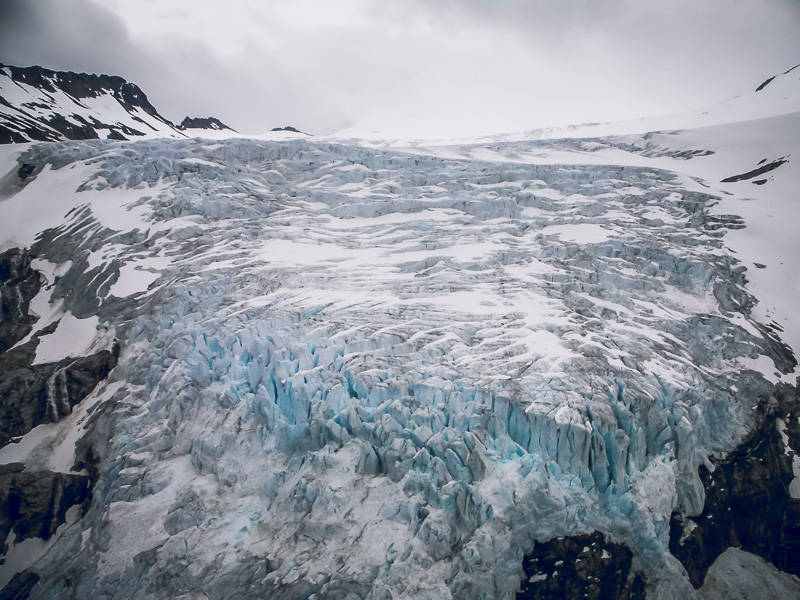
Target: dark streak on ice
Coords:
[(756, 172)]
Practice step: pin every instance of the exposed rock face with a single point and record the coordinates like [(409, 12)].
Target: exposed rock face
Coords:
[(583, 566), (771, 79), (764, 168), (19, 283), (748, 503), (83, 85), (36, 394), (20, 586), (288, 128), (202, 123), (35, 503)]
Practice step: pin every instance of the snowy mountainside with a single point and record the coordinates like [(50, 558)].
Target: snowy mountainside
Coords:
[(303, 368), (45, 105), (38, 104)]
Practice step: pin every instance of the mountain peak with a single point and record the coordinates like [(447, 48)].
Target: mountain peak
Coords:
[(39, 104), (288, 128), (203, 123)]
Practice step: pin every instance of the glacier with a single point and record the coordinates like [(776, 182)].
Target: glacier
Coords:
[(351, 370)]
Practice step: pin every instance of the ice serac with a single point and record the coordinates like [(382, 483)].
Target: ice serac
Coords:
[(352, 372)]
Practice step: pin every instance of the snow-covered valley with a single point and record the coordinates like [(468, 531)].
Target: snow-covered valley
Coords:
[(327, 368)]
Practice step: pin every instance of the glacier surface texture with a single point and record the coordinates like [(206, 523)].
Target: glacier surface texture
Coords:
[(314, 369)]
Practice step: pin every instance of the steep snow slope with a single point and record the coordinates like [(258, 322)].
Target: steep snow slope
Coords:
[(390, 372)]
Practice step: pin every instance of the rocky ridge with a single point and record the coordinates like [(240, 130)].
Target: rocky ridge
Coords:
[(203, 123)]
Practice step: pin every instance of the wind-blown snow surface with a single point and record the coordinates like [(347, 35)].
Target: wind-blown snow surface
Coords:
[(386, 372)]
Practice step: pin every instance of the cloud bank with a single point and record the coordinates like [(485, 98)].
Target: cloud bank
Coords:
[(413, 68)]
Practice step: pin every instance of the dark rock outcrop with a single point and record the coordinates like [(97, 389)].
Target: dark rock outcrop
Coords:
[(19, 283), (583, 566), (35, 503), (36, 394), (20, 585), (757, 171), (202, 123), (289, 128), (48, 116), (769, 80), (765, 83), (83, 85), (748, 504)]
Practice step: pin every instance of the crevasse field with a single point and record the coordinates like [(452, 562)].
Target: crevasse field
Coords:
[(381, 370)]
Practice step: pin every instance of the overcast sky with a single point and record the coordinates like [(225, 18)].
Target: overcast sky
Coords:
[(408, 68)]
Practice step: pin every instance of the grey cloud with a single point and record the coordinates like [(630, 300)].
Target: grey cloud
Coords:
[(76, 35), (465, 66)]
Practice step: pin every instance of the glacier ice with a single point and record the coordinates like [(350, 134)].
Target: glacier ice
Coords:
[(386, 374)]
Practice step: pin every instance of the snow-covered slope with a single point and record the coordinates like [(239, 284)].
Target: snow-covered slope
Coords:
[(776, 96), (305, 368)]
